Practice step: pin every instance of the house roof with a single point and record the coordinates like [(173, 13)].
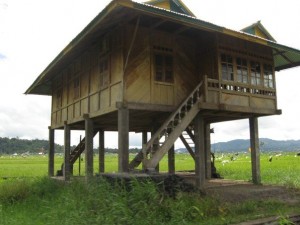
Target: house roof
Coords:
[(259, 30), (115, 12), (172, 5)]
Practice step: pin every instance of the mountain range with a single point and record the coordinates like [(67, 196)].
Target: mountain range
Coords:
[(242, 145)]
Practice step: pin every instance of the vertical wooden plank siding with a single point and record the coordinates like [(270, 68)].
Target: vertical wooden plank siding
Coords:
[(171, 160), (51, 153), (199, 151), (89, 129), (67, 143), (123, 139), (101, 152), (255, 152)]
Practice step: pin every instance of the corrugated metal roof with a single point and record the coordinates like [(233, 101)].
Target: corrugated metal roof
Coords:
[(284, 57)]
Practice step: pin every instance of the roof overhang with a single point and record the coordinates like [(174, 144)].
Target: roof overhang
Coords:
[(114, 14)]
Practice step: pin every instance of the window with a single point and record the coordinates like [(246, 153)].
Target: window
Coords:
[(59, 98), (268, 76), (255, 73), (164, 68), (242, 70), (227, 67), (104, 72), (76, 87)]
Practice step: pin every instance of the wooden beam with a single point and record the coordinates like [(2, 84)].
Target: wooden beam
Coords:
[(150, 107), (67, 144), (51, 153), (171, 160), (255, 152), (158, 24), (199, 151), (101, 152), (182, 29), (89, 154), (123, 139)]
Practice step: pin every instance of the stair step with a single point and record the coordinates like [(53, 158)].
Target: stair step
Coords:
[(177, 122)]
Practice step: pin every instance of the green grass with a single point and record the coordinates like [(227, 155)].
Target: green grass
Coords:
[(46, 201), (35, 199)]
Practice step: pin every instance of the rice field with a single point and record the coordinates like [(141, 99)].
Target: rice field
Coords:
[(276, 168)]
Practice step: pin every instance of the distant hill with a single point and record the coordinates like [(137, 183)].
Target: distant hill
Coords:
[(11, 146), (242, 145), (19, 146)]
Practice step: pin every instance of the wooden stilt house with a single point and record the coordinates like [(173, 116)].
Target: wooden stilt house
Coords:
[(154, 67)]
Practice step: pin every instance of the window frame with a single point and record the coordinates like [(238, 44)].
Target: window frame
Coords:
[(259, 81), (226, 64), (167, 66), (76, 87), (266, 77), (104, 74)]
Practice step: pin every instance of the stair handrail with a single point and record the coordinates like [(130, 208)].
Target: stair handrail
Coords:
[(171, 118)]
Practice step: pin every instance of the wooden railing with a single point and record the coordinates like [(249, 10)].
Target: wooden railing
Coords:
[(240, 88)]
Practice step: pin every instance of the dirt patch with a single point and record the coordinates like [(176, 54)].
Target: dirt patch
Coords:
[(243, 191)]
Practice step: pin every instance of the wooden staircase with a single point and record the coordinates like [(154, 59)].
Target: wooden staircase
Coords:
[(75, 154), (188, 139), (171, 129)]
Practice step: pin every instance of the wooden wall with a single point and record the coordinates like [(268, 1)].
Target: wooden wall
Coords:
[(78, 89), (140, 83)]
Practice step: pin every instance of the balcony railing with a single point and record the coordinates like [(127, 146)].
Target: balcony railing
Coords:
[(239, 88)]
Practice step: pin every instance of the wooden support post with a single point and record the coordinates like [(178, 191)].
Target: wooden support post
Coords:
[(67, 143), (144, 141), (255, 152), (199, 151), (123, 138), (101, 152), (171, 160), (89, 154), (51, 152), (207, 151)]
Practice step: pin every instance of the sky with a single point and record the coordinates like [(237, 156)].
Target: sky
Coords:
[(33, 33)]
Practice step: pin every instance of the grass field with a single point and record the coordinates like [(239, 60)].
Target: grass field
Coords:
[(32, 198)]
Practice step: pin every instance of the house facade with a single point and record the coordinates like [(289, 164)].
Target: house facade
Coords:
[(154, 67)]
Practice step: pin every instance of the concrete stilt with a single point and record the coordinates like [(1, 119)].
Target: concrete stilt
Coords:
[(199, 151), (67, 143), (89, 154), (123, 138), (51, 153), (255, 151), (101, 152)]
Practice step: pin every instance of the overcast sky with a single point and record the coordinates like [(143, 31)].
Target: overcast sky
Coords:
[(33, 32)]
